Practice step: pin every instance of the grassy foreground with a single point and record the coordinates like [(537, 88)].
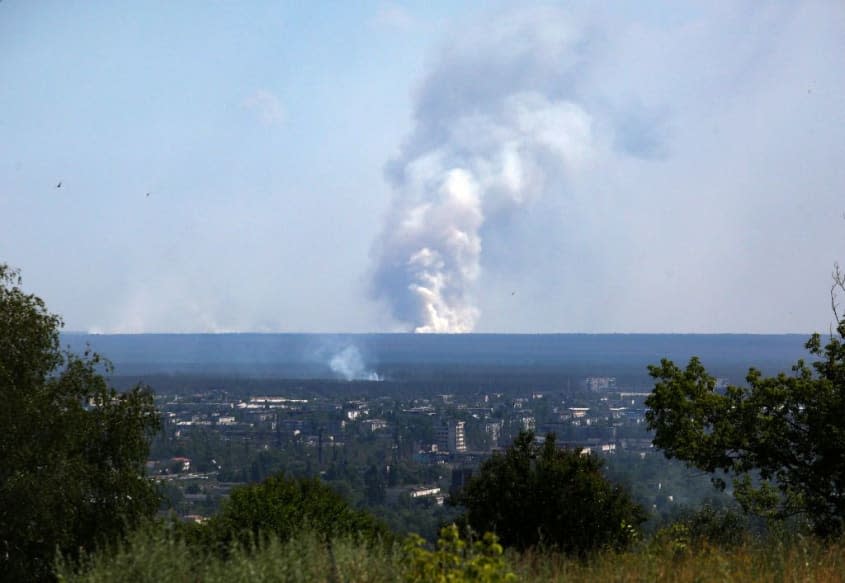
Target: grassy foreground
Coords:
[(154, 555), (805, 561)]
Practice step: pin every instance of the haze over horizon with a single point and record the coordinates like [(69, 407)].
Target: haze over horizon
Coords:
[(441, 167)]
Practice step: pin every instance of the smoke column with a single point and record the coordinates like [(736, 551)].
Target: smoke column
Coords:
[(497, 127), (349, 365)]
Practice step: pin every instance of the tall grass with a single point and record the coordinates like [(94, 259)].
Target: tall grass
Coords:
[(154, 554), (804, 560)]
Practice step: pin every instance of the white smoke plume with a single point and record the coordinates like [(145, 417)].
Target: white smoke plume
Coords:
[(497, 128), (349, 365)]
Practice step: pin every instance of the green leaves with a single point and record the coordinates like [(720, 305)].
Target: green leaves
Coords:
[(71, 448), (782, 437), (284, 507), (540, 495), (456, 560)]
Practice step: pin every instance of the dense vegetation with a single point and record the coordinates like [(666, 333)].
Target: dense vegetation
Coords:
[(281, 508), (782, 438), (154, 554), (75, 503), (557, 499), (72, 449)]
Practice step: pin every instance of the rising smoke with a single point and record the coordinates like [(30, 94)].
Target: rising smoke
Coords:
[(349, 365), (498, 127)]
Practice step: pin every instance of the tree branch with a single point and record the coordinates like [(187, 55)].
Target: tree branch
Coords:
[(838, 286)]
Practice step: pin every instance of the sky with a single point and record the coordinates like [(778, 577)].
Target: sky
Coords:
[(431, 166)]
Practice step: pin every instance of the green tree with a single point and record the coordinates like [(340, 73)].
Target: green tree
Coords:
[(374, 486), (72, 449), (285, 507), (556, 498), (781, 438)]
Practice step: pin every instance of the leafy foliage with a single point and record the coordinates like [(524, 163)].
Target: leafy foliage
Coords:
[(704, 527), (71, 448), (559, 499), (283, 507), (455, 560), (781, 437)]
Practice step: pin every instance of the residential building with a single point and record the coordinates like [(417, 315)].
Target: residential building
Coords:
[(451, 436)]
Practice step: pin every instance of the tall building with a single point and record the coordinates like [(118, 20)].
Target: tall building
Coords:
[(600, 384), (450, 436), (494, 432)]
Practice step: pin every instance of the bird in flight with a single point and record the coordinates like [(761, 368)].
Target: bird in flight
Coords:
[(59, 185)]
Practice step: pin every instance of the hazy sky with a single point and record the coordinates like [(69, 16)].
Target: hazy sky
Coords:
[(376, 166)]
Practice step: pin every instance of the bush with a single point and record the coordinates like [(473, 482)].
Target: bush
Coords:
[(705, 527), (456, 560), (285, 507), (556, 499)]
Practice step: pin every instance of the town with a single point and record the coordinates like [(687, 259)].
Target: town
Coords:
[(400, 458)]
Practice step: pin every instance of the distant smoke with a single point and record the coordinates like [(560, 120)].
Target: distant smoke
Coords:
[(349, 365), (497, 128)]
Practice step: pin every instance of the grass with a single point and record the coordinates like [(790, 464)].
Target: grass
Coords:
[(152, 554), (804, 560)]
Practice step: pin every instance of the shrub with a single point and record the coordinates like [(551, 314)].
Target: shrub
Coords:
[(283, 507), (705, 527), (456, 560), (554, 498)]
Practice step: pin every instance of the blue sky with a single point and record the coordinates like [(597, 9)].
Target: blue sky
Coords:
[(373, 166)]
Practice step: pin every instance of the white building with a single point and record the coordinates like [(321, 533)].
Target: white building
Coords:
[(451, 436)]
